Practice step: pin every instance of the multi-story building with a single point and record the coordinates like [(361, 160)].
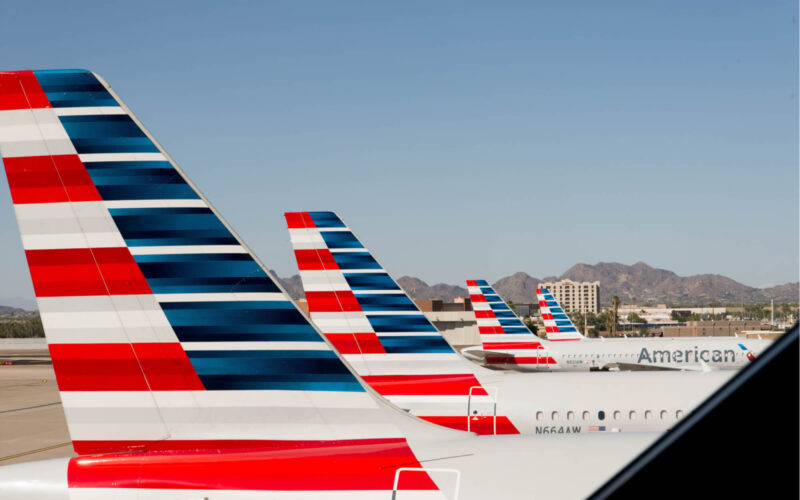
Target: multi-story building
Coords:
[(574, 296)]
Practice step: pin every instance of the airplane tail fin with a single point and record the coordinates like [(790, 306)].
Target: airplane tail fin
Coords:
[(499, 326), (556, 322), (166, 333), (376, 326)]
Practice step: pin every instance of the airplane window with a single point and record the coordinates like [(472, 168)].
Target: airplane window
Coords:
[(586, 415), (632, 415), (601, 415), (648, 415), (539, 415), (554, 415), (679, 414), (663, 414), (617, 414), (571, 415)]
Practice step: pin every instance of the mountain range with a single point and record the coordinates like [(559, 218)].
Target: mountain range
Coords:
[(638, 283)]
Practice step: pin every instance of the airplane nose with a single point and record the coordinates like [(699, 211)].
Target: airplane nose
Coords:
[(39, 480)]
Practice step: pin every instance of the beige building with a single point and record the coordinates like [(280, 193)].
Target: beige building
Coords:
[(714, 329), (574, 296)]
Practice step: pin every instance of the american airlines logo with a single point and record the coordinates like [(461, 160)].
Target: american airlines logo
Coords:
[(687, 355)]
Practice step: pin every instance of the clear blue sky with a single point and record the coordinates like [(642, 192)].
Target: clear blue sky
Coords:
[(461, 139)]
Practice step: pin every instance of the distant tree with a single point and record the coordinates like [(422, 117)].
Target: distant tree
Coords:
[(531, 326), (674, 316), (615, 305), (512, 306), (635, 318), (578, 320)]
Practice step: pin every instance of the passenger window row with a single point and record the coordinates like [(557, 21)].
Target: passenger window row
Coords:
[(616, 415)]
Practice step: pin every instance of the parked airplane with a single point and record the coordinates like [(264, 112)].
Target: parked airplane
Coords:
[(507, 343), (387, 340), (184, 369)]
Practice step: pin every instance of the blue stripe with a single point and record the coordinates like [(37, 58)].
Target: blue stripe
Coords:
[(73, 88), (385, 302), (515, 329), (272, 370), (492, 298), (139, 180), (370, 281), (511, 322), (498, 306), (401, 323), (355, 260), (204, 273), (326, 219), (488, 290), (404, 344), (171, 226), (505, 314), (340, 239), (481, 282), (106, 134)]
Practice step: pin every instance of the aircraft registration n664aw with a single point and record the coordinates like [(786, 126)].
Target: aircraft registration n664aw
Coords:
[(388, 341), (184, 369), (507, 343)]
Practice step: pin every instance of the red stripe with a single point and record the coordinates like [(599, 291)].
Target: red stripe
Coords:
[(543, 303), (472, 282), (512, 345), (167, 367), (478, 424), (49, 179), (485, 314), (484, 330), (337, 301), (367, 464), (118, 367), (315, 260), (85, 271), (547, 316), (21, 90), (299, 220), (520, 360), (97, 367), (356, 343), (477, 298), (426, 385)]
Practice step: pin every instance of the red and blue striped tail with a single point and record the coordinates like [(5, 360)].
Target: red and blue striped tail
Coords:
[(167, 335), (504, 337), (378, 329), (556, 322)]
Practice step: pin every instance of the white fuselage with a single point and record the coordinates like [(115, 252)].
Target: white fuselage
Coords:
[(677, 353)]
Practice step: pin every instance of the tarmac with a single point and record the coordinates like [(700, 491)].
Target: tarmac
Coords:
[(32, 422)]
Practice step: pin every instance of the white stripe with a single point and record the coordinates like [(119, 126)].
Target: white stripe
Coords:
[(408, 334), (221, 297), (89, 110), (415, 313), (323, 281), (156, 203), (481, 306), (74, 240), (104, 319), (219, 399), (332, 229), (187, 249), (349, 322), (88, 158), (347, 250), (67, 225), (256, 346)]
